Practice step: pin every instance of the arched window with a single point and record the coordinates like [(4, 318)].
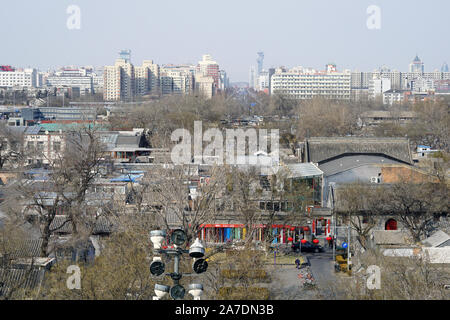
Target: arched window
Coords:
[(391, 224)]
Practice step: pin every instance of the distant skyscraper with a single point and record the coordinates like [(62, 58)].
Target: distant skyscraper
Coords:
[(125, 55), (416, 66), (444, 67), (252, 77), (260, 62), (209, 68)]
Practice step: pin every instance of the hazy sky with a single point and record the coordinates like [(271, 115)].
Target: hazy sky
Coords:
[(290, 32)]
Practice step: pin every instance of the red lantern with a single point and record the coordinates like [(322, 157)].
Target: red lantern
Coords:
[(315, 241), (292, 228), (305, 228), (329, 238), (290, 239), (303, 241)]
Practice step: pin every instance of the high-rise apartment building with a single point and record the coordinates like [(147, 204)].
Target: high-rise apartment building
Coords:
[(123, 81), (207, 67), (378, 86), (307, 85), (119, 81), (205, 86), (177, 79)]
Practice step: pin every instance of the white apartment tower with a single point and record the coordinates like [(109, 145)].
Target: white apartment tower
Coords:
[(119, 81), (124, 81)]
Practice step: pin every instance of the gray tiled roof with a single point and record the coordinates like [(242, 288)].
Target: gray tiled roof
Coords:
[(298, 170), (436, 239), (19, 279), (345, 163), (323, 148), (102, 225), (28, 248)]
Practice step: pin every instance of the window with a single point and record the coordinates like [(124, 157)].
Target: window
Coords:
[(57, 146), (40, 146), (391, 224)]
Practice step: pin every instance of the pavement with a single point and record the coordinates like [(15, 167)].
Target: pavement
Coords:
[(322, 267), (287, 285)]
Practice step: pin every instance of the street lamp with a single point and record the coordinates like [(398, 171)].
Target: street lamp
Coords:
[(157, 266)]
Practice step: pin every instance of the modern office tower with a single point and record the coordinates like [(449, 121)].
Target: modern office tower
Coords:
[(10, 77), (260, 62), (207, 67), (271, 72), (252, 77), (306, 85), (444, 67), (224, 80), (416, 66)]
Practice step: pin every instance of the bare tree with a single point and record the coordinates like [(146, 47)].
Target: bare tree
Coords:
[(169, 191), (63, 191), (357, 205), (11, 146), (417, 205)]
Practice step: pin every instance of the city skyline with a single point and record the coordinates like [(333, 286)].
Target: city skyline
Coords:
[(294, 35)]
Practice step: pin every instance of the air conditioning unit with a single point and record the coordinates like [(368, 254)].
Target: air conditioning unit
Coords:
[(373, 179)]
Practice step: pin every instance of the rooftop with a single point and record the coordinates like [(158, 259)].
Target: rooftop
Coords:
[(321, 149)]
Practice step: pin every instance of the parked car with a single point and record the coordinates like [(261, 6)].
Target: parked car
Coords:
[(307, 247)]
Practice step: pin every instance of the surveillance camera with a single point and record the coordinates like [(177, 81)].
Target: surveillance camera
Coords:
[(196, 290), (160, 291), (197, 250), (157, 237)]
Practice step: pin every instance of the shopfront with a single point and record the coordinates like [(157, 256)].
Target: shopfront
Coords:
[(222, 233)]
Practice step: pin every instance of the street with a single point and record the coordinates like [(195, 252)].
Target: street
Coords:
[(286, 283)]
